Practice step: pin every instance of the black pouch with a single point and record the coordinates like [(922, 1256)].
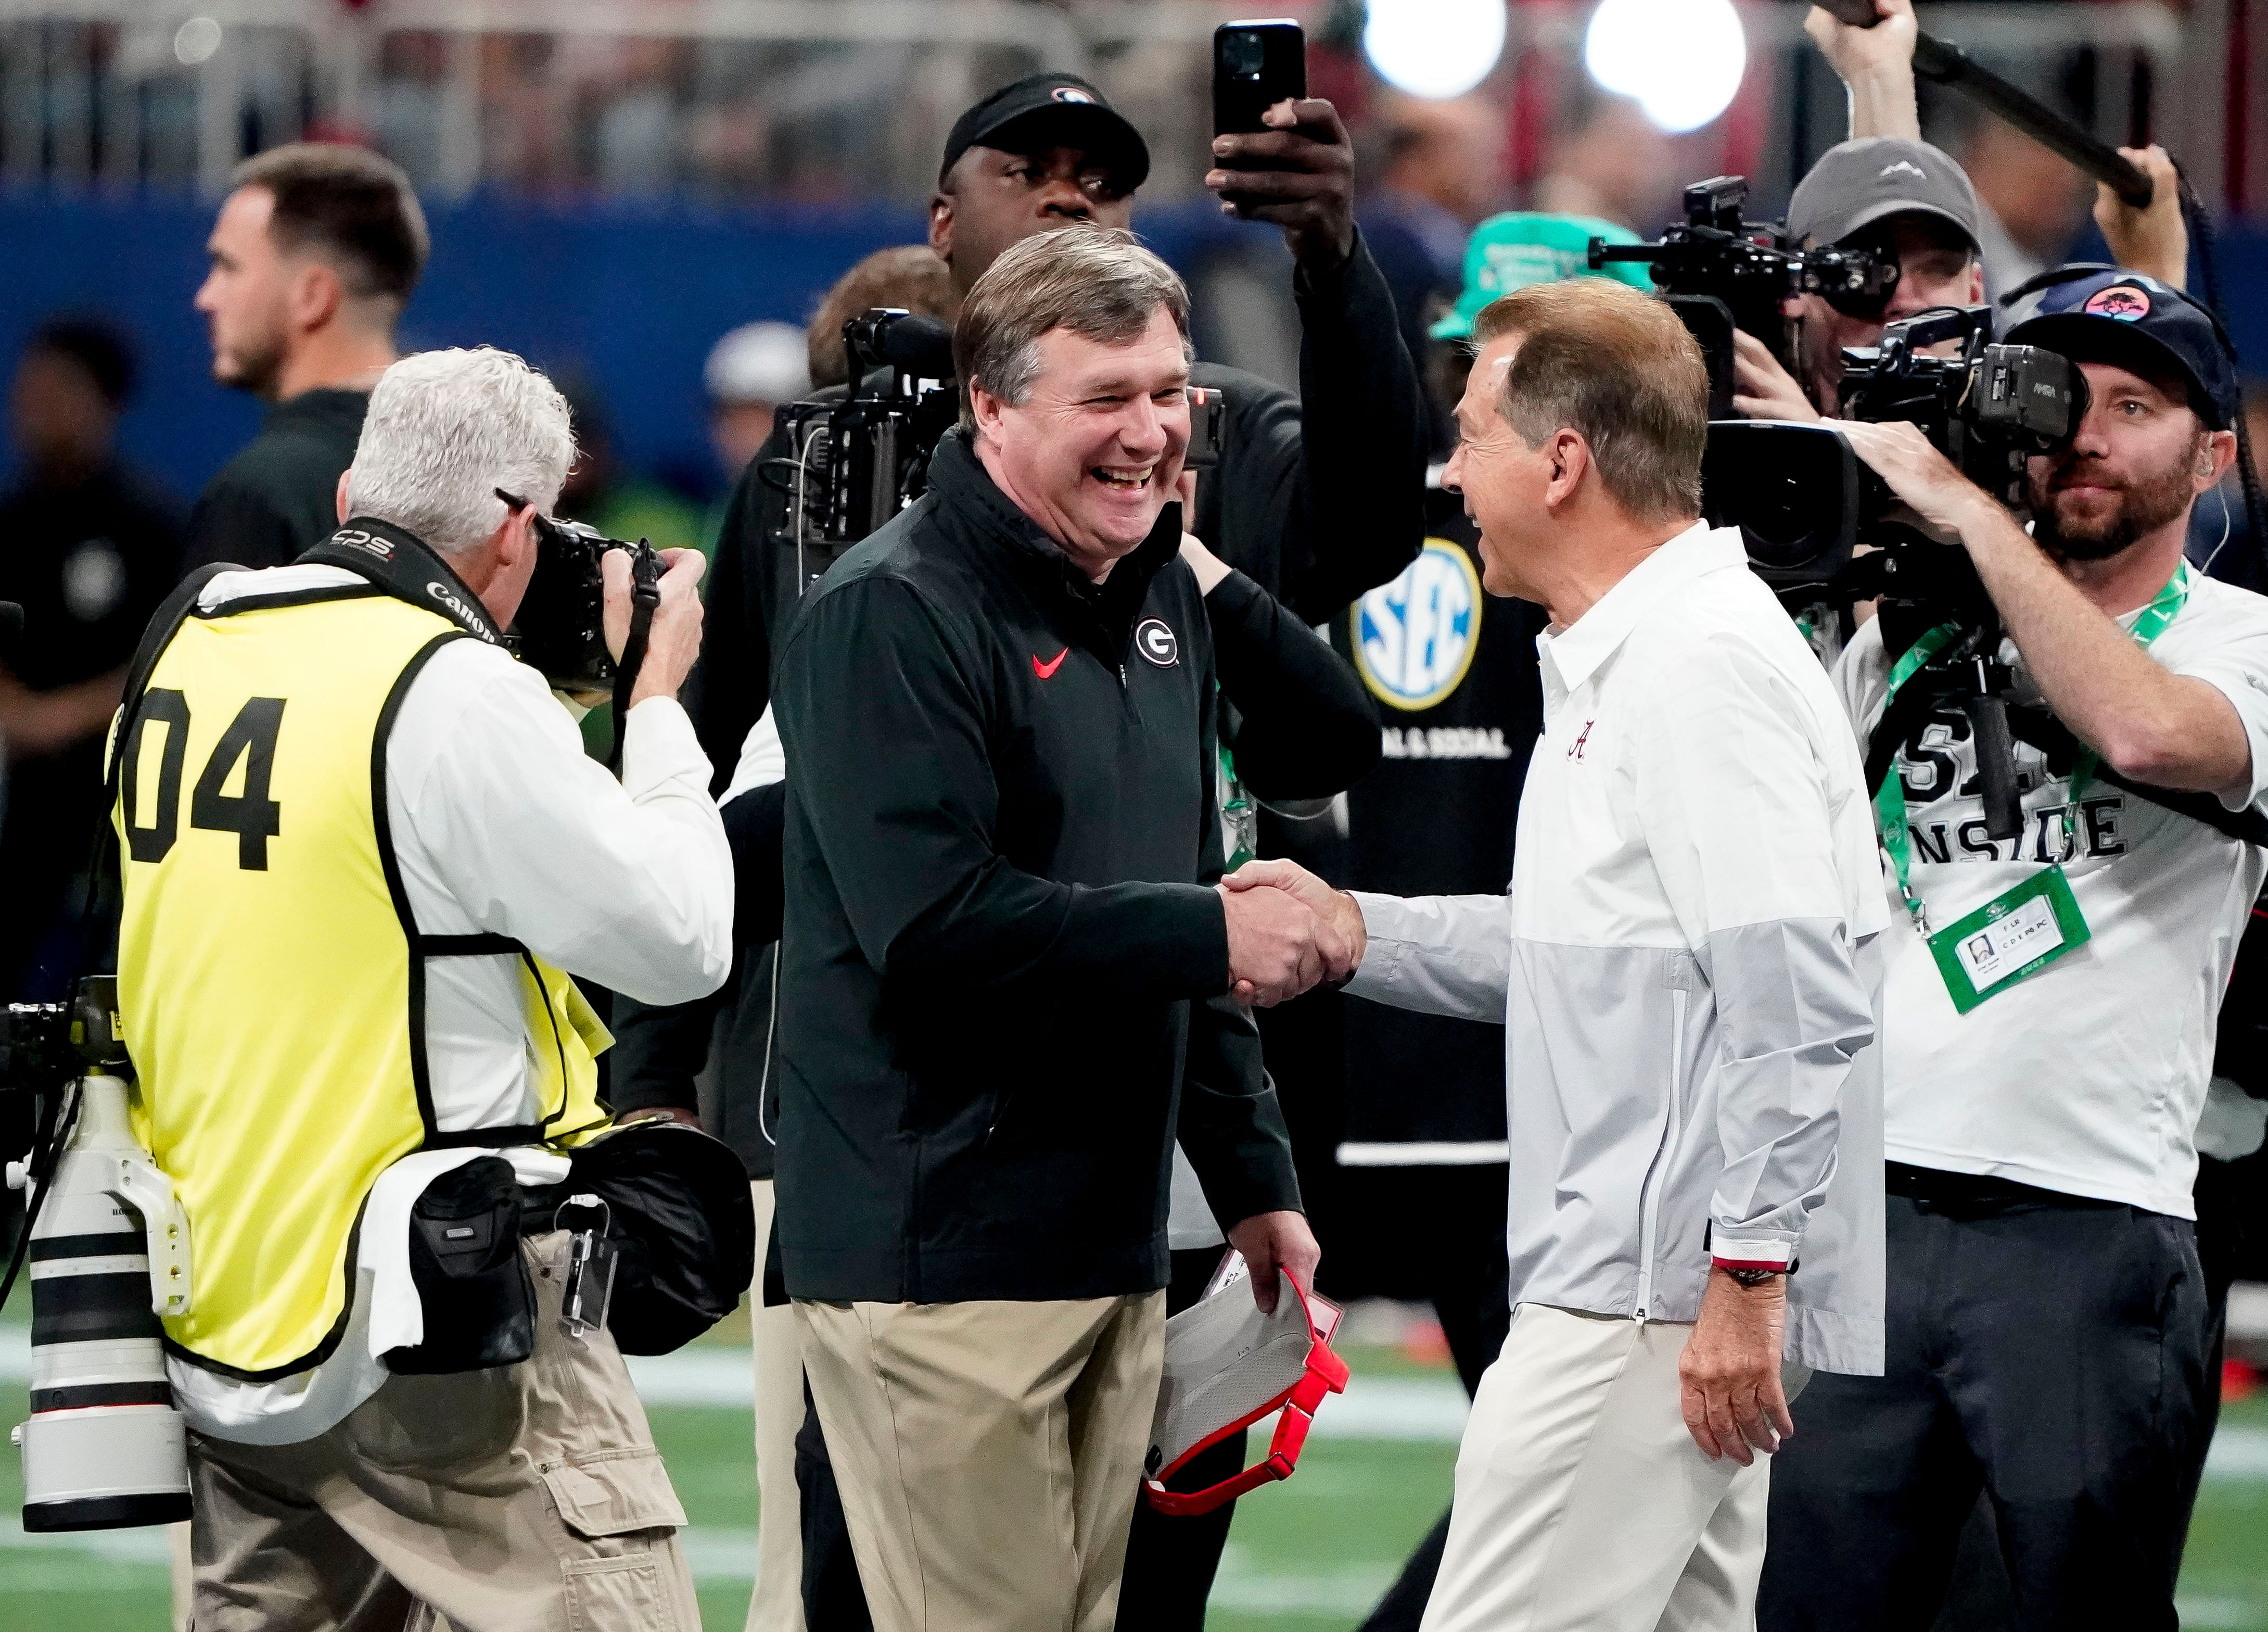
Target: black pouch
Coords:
[(465, 1261), (681, 1215)]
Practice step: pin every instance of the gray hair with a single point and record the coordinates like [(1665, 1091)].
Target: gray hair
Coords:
[(445, 431), (1095, 281)]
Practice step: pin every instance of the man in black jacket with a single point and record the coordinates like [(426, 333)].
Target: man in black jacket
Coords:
[(313, 255), (1318, 497), (1007, 967)]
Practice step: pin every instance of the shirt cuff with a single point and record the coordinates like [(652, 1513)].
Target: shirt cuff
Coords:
[(1751, 1253), (659, 746)]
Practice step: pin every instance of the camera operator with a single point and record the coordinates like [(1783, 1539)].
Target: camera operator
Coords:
[(2046, 1324), (1905, 201), (347, 987), (1888, 190), (1007, 968)]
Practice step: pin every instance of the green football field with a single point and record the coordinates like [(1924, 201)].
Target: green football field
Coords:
[(1310, 1555)]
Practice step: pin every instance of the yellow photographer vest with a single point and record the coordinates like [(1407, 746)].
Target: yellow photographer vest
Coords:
[(270, 975)]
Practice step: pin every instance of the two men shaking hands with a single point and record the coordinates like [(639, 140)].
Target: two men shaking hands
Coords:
[(1288, 931)]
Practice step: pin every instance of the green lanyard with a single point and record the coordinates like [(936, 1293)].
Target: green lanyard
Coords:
[(1890, 798)]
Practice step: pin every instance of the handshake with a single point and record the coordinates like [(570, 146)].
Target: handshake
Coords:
[(1287, 931)]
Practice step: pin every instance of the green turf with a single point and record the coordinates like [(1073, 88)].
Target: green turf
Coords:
[(1307, 1556)]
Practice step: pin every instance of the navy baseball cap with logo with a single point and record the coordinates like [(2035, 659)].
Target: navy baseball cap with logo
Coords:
[(2130, 321), (1051, 110)]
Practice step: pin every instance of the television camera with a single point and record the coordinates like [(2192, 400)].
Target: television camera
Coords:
[(1720, 273)]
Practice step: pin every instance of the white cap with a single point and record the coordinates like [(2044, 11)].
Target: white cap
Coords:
[(759, 363)]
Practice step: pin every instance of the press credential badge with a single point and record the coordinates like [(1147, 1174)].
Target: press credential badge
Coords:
[(2013, 934)]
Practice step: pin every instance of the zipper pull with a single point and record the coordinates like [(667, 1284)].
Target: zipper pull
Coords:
[(1121, 676)]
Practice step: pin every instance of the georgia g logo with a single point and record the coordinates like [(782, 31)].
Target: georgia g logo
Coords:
[(1414, 639), (1157, 643)]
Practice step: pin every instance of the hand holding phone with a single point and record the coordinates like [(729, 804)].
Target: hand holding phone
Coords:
[(1255, 65), (1280, 155)]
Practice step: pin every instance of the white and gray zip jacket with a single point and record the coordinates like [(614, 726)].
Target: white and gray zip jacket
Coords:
[(1686, 966)]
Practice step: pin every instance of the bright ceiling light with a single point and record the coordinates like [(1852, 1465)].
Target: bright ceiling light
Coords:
[(1680, 60), (1434, 47)]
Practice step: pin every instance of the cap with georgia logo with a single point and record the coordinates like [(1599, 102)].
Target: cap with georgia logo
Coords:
[(1049, 110)]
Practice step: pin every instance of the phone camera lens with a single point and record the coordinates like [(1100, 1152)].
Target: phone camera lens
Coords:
[(1243, 52)]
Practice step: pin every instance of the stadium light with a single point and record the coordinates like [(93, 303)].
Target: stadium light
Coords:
[(195, 41), (1434, 48), (1680, 60)]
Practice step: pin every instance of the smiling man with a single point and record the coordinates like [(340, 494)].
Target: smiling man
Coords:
[(2045, 1335), (1007, 966), (1684, 967)]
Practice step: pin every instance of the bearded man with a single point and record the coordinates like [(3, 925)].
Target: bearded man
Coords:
[(2049, 1011)]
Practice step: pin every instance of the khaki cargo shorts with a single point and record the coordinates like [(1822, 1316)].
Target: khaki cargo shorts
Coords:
[(528, 1498)]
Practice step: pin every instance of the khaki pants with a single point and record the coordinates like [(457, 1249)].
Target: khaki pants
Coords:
[(1583, 1503), (776, 1603), (990, 1453), (525, 1498)]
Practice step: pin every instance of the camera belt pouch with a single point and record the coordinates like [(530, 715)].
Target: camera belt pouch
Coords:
[(471, 1280), (682, 1221)]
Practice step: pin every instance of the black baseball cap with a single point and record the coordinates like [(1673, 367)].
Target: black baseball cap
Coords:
[(2129, 319), (1859, 183), (1073, 113)]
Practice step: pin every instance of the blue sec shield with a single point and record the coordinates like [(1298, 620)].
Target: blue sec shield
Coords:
[(1414, 639)]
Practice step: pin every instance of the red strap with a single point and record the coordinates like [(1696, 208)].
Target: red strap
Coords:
[(1326, 1373)]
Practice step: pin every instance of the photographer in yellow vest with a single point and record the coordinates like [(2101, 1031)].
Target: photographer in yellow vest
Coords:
[(362, 850)]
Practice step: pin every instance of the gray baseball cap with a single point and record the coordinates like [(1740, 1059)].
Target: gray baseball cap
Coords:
[(1859, 183)]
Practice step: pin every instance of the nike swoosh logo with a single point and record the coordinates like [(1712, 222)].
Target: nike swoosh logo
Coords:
[(1046, 670)]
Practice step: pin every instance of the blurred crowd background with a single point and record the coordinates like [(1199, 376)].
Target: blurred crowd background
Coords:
[(616, 187)]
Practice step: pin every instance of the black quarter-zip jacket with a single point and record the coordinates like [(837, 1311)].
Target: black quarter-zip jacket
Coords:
[(1004, 969)]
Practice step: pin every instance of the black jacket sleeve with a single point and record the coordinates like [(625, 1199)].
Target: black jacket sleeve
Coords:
[(1307, 728), (1230, 1125), (1323, 497), (731, 682), (238, 524), (753, 825), (903, 812), (659, 1050)]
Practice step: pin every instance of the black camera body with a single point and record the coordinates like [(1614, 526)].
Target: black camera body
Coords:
[(561, 628), (856, 461), (1720, 273), (44, 1045), (1804, 502)]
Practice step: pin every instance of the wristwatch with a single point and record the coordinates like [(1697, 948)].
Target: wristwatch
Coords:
[(1751, 1277)]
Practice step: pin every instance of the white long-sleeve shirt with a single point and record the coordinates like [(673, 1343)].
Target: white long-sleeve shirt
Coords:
[(502, 825), (1685, 965)]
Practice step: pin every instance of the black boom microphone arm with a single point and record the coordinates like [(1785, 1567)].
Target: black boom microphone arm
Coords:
[(1944, 63)]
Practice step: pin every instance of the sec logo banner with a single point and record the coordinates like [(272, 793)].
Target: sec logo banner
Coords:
[(1414, 639)]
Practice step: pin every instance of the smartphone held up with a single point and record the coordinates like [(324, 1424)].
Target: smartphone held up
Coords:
[(1255, 65)]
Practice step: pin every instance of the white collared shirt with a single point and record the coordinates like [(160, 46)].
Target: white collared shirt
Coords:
[(2088, 1076), (1684, 964)]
